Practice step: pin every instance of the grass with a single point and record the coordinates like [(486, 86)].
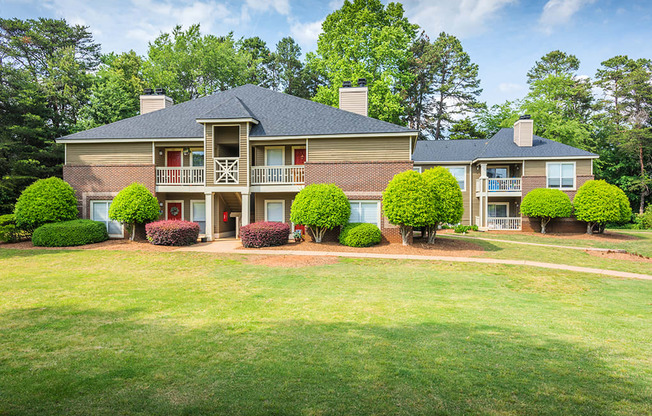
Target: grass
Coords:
[(106, 332)]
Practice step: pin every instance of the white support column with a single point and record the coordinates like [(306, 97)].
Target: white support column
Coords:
[(245, 209), (483, 196), (209, 215)]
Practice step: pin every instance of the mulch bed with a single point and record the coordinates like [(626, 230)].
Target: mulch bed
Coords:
[(619, 256), (443, 247)]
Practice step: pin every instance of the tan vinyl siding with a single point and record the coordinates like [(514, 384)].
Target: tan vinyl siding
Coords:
[(259, 153), (538, 167), (354, 100), (226, 136), (109, 153), (359, 149)]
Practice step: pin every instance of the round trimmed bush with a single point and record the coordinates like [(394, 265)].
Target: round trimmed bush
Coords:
[(360, 235), (446, 196), (408, 202), (70, 233), (320, 207), (598, 203), (172, 233), (264, 234), (546, 204), (45, 201), (135, 204)]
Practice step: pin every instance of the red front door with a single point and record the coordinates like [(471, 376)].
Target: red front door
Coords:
[(174, 211), (299, 156), (173, 160)]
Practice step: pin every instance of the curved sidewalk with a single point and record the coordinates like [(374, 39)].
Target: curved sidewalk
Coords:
[(231, 247)]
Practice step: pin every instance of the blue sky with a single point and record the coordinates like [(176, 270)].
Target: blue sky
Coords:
[(504, 37)]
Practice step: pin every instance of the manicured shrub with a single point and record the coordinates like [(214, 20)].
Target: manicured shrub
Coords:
[(461, 229), (264, 234), (360, 235), (44, 201), (598, 203), (447, 198), (70, 233), (135, 204), (546, 204), (9, 231), (172, 233), (644, 221), (320, 207), (408, 203)]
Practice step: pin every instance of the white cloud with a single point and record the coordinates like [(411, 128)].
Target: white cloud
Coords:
[(281, 6), (510, 88), (306, 34), (462, 18), (559, 12)]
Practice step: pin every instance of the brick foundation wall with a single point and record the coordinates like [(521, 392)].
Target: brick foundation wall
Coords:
[(359, 181), (103, 182)]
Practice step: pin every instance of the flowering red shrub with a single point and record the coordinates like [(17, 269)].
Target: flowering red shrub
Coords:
[(172, 233), (265, 234)]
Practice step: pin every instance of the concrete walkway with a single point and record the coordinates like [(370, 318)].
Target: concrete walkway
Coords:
[(614, 250), (230, 246)]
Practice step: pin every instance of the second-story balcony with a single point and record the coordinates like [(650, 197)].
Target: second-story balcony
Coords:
[(278, 175), (503, 186), (180, 176), (227, 170)]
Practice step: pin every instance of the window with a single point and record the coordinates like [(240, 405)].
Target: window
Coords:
[(365, 211), (417, 169), (197, 158), (561, 175), (498, 210), (274, 156), (198, 214), (460, 174), (100, 212), (496, 172), (275, 211)]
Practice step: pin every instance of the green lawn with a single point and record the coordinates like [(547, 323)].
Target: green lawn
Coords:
[(107, 332)]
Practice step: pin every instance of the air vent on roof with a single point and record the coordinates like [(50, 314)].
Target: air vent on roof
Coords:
[(362, 82), (525, 117), (148, 91), (160, 91), (346, 84)]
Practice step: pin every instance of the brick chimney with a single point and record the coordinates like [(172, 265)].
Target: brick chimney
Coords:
[(524, 131), (153, 100), (354, 99)]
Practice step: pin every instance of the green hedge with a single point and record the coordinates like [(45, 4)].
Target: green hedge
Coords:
[(70, 233), (360, 235)]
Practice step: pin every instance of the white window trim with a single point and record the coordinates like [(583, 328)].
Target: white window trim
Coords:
[(192, 201), (276, 147), (562, 163), (499, 203), (282, 201), (194, 149), (299, 147), (417, 169), (461, 167), (506, 167), (175, 201), (173, 150), (122, 228), (377, 202)]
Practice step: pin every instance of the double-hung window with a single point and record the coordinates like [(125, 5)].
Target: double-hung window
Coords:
[(561, 175), (198, 214), (100, 212), (275, 211), (460, 174), (365, 211)]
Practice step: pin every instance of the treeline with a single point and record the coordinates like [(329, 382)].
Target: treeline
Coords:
[(54, 81)]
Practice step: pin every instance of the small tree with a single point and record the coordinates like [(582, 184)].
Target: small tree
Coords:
[(320, 207), (408, 203), (447, 199), (134, 205), (44, 201), (598, 203), (546, 204)]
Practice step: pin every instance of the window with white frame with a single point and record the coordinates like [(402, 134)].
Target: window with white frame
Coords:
[(500, 210), (274, 156), (416, 169), (198, 214), (275, 211), (561, 175), (100, 212), (459, 172), (197, 158), (365, 211)]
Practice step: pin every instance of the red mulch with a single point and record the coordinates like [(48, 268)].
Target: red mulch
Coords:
[(619, 256)]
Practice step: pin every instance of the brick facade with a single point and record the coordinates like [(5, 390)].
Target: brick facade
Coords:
[(360, 180), (560, 225), (103, 182)]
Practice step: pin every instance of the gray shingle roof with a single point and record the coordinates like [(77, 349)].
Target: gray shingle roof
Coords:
[(278, 114), (500, 146)]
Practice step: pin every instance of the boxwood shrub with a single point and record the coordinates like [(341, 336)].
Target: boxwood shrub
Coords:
[(70, 233), (360, 235), (264, 234), (45, 201), (172, 233)]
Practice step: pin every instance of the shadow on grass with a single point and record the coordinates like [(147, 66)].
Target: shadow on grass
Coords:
[(66, 360)]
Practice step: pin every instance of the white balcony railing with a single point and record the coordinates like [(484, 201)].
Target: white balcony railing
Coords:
[(504, 185), (227, 170), (507, 223), (278, 175), (180, 176)]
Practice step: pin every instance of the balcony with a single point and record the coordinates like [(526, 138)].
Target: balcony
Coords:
[(504, 223), (180, 176), (227, 170), (278, 175), (500, 186)]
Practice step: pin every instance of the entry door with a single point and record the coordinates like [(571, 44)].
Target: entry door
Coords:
[(299, 156), (174, 161), (174, 211)]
